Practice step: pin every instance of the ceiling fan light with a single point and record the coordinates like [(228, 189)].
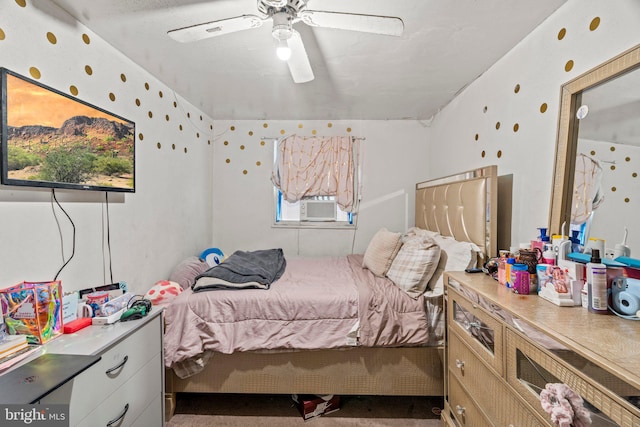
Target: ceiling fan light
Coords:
[(282, 27), (283, 50)]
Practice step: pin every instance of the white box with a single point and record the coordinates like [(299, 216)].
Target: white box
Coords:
[(107, 320)]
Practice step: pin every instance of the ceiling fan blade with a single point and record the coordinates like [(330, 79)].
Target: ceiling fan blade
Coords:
[(215, 28), (299, 65), (387, 25)]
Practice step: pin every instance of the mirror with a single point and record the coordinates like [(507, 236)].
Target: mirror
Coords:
[(596, 184)]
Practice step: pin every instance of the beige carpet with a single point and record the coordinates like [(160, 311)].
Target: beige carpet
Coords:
[(231, 410)]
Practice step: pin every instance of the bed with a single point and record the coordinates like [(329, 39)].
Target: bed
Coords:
[(458, 208)]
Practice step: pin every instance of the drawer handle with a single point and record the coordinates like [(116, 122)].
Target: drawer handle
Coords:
[(116, 420), (120, 365), (459, 364), (460, 410)]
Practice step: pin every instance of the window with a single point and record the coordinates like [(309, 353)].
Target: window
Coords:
[(334, 164)]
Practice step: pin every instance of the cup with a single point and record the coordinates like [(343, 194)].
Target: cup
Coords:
[(85, 310), (96, 300)]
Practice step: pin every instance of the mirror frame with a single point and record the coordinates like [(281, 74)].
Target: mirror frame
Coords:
[(567, 136)]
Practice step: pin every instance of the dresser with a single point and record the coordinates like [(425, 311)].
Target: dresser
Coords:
[(126, 386), (504, 349)]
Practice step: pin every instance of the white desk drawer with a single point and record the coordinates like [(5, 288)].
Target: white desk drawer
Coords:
[(130, 401), (117, 365), (152, 415), (94, 385)]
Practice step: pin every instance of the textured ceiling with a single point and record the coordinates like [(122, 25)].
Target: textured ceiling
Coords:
[(444, 47)]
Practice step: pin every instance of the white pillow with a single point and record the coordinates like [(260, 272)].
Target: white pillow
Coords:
[(420, 232), (414, 265), (455, 256), (381, 251)]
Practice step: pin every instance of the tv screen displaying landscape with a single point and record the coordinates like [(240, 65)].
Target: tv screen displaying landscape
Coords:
[(50, 139)]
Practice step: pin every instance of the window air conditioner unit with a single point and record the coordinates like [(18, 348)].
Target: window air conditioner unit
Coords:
[(317, 210)]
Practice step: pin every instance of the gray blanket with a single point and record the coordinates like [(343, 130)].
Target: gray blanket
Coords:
[(243, 270)]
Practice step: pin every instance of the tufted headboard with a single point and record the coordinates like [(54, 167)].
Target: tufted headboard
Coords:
[(464, 206)]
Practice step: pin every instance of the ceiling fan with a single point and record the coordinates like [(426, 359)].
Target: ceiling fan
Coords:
[(285, 13)]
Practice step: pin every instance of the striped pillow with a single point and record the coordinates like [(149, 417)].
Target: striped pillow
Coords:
[(414, 265)]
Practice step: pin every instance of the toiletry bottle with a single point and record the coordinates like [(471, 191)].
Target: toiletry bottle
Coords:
[(548, 254), (597, 284), (621, 249), (557, 240), (584, 296), (502, 266), (507, 271)]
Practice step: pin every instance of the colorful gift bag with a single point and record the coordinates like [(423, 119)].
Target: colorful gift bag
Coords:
[(33, 309)]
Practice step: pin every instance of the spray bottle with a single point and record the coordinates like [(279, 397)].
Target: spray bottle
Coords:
[(597, 284)]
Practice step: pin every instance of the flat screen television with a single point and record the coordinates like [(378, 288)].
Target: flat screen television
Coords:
[(51, 139)]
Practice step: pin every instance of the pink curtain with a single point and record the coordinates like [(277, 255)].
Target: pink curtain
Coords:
[(317, 166)]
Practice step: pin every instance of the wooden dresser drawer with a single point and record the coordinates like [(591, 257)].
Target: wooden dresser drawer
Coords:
[(131, 400), (482, 331), (463, 407), (445, 417), (489, 391), (530, 368)]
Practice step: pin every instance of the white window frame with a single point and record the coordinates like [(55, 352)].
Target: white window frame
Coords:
[(344, 220)]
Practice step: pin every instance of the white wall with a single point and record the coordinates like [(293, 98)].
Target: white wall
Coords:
[(166, 220), (394, 159), (537, 65)]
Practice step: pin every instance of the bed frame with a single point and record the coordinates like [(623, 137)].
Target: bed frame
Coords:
[(463, 206)]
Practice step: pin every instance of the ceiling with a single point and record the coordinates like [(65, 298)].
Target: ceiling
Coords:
[(445, 46)]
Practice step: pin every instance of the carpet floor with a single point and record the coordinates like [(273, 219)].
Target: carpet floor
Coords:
[(240, 410)]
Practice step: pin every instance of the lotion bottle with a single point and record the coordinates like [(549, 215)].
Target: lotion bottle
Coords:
[(548, 255), (597, 284)]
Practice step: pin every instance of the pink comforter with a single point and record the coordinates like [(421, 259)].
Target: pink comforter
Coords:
[(316, 304)]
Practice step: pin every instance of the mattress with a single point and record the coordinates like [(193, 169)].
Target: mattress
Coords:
[(318, 303)]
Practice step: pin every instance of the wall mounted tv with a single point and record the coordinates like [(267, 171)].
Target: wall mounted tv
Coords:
[(50, 139)]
